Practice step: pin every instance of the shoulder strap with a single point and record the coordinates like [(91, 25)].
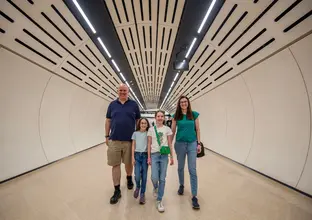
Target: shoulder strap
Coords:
[(157, 135)]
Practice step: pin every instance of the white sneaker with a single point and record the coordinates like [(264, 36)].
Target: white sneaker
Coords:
[(160, 206), (155, 192)]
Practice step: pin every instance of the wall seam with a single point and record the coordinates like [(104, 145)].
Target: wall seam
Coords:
[(254, 119), (309, 102), (39, 118)]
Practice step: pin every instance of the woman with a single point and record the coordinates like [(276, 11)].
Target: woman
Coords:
[(186, 125)]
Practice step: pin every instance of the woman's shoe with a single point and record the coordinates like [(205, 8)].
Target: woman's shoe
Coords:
[(181, 190), (195, 203)]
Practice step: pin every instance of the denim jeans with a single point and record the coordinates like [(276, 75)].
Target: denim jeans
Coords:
[(140, 170), (159, 172), (190, 149)]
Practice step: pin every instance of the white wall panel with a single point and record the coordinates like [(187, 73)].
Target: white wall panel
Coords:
[(212, 118), (227, 120), (282, 118), (240, 120), (87, 119), (54, 119), (22, 85), (302, 51)]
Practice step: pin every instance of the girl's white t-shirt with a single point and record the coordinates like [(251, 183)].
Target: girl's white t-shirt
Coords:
[(163, 133)]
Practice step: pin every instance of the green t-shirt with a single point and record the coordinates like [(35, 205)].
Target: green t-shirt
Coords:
[(186, 129)]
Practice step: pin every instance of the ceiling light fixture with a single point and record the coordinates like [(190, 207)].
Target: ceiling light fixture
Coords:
[(206, 16), (189, 50), (84, 16), (176, 77), (117, 68), (124, 78), (102, 44)]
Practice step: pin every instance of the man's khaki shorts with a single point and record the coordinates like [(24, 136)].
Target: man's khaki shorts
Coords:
[(118, 151)]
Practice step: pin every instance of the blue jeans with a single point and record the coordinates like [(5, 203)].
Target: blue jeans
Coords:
[(140, 170), (190, 149), (159, 172)]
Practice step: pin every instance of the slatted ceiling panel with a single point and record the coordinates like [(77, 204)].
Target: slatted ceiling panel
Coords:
[(33, 35), (257, 36), (144, 57), (147, 39), (128, 36)]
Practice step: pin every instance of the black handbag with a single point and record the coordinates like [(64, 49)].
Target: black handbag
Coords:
[(202, 152)]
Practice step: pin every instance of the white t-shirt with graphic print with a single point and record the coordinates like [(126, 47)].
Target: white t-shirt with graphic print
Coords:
[(163, 133)]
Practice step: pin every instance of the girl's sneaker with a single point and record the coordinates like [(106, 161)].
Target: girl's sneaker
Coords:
[(155, 192), (136, 193), (142, 199), (160, 206)]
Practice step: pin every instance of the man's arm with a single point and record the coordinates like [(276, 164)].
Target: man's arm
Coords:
[(107, 128)]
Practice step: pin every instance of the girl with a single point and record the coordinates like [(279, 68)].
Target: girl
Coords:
[(139, 158), (159, 138), (187, 144)]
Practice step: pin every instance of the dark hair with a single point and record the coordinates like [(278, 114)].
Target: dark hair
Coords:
[(179, 115), (139, 124)]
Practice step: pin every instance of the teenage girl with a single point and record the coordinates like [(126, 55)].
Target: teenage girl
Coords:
[(139, 158), (159, 161)]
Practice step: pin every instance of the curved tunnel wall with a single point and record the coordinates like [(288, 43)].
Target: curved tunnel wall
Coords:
[(262, 117), (43, 116)]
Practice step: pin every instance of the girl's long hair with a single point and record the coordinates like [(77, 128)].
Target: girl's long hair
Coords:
[(138, 127), (179, 115)]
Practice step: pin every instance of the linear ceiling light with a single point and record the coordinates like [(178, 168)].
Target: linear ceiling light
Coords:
[(84, 16), (176, 77), (189, 50), (123, 78), (117, 68), (102, 44), (206, 16)]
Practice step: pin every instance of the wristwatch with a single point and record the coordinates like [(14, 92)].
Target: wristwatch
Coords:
[(106, 136)]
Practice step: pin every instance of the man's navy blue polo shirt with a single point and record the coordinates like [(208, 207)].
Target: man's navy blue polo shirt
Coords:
[(123, 119)]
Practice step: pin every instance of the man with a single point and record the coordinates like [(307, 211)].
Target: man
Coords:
[(120, 123)]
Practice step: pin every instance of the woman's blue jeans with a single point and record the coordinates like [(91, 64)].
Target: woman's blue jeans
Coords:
[(182, 150)]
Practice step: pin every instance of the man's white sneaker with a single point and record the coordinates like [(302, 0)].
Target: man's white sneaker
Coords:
[(160, 206)]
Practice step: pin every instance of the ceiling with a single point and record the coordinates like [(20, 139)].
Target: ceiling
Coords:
[(142, 37)]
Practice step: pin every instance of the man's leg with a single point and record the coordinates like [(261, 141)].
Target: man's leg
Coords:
[(116, 175), (126, 159), (114, 160)]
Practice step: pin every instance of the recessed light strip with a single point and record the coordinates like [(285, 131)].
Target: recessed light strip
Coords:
[(189, 50), (117, 68), (84, 16), (102, 44), (206, 16)]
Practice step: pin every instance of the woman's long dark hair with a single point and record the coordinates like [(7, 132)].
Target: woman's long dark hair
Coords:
[(138, 127), (179, 115)]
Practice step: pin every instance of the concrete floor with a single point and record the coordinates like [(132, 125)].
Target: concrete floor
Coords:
[(79, 188)]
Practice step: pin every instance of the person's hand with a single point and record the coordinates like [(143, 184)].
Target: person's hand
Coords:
[(133, 161), (106, 141), (171, 161), (149, 161), (198, 148)]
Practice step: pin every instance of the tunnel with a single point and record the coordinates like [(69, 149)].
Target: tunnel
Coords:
[(244, 65)]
